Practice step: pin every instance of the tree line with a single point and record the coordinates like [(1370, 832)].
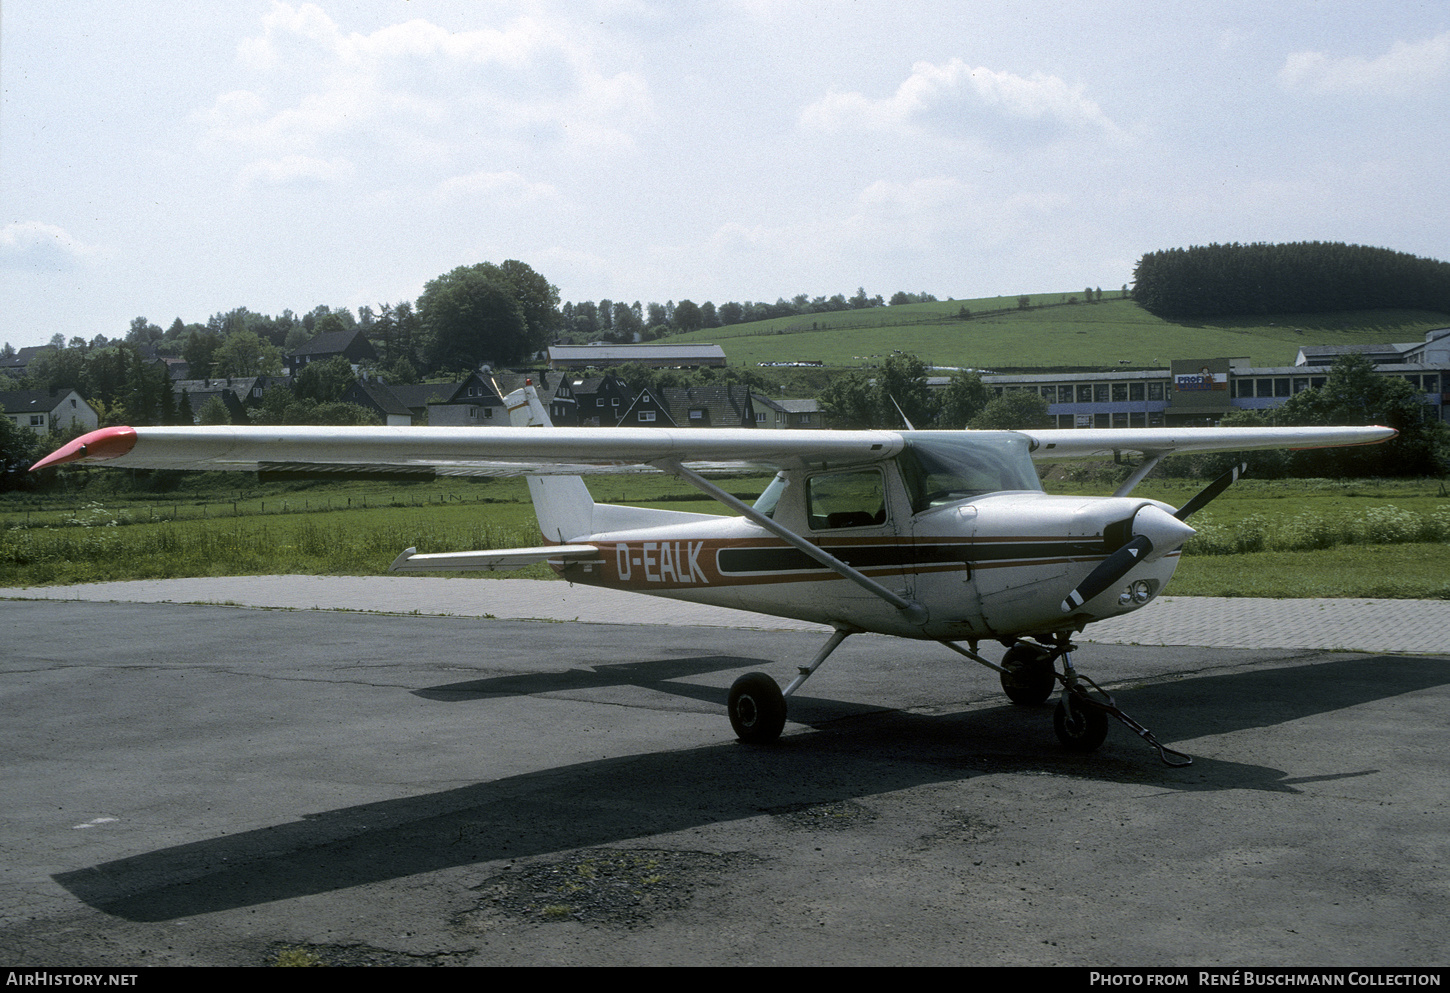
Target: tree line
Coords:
[(1303, 277)]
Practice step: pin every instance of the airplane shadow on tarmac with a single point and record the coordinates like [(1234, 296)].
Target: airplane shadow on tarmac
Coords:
[(850, 751)]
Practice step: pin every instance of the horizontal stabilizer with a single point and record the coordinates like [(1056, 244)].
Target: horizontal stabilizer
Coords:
[(493, 560)]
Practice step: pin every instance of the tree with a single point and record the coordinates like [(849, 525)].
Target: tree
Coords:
[(901, 383), (1355, 394), (214, 412), (324, 381), (964, 398), (538, 298), (199, 351), (687, 316), (245, 353), (470, 316), (1012, 410), (17, 454), (849, 401)]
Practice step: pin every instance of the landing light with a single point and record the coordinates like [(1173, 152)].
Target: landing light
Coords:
[(1139, 592)]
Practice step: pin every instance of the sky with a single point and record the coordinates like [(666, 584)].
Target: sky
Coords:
[(183, 159)]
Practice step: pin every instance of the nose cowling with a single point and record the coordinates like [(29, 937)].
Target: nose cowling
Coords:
[(1151, 533)]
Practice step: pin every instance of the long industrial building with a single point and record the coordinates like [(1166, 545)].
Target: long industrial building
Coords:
[(1196, 392)]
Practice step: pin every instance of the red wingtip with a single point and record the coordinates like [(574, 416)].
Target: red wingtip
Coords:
[(107, 443)]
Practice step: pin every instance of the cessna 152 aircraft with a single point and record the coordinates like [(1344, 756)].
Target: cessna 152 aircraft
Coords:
[(938, 535)]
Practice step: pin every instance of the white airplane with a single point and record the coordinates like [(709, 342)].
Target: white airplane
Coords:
[(937, 535)]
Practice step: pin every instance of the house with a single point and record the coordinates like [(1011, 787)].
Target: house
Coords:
[(647, 411), (239, 393), (44, 411), (601, 401), (478, 400), (377, 396), (417, 396), (771, 413), (16, 364), (727, 406), (353, 345)]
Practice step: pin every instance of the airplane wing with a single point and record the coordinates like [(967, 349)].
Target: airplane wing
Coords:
[(1079, 443), (509, 451), (467, 451)]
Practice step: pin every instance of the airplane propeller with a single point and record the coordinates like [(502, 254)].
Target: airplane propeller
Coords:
[(1149, 528)]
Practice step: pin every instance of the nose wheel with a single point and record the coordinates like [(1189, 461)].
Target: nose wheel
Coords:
[(1080, 726)]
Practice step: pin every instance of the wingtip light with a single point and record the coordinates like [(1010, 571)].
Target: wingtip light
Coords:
[(96, 446)]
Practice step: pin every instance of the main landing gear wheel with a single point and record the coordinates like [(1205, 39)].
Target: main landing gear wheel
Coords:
[(757, 708), (1029, 679), (1081, 728)]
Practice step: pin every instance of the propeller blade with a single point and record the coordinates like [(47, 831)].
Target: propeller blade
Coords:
[(1108, 572), (1209, 492)]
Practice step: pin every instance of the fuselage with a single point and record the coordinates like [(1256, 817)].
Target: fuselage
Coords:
[(996, 565)]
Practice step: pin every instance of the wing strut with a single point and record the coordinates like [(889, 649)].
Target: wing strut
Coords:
[(915, 613)]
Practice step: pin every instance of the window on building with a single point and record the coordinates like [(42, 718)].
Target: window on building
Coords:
[(1064, 394), (1100, 393), (1120, 420), (759, 418), (1135, 392), (697, 413), (1281, 387), (646, 416), (805, 418), (1266, 387), (1120, 393), (1137, 419), (1155, 391), (36, 420), (1084, 394)]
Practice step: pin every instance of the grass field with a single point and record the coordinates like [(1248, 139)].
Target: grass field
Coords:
[(1291, 538), (1049, 335)]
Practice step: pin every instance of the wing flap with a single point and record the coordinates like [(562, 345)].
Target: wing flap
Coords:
[(492, 560)]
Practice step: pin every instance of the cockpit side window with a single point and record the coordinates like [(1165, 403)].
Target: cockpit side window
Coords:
[(846, 500)]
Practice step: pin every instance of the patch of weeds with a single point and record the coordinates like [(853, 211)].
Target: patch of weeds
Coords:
[(840, 815), (619, 887), (352, 956)]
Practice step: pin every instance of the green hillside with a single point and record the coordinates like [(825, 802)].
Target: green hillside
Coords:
[(1051, 334)]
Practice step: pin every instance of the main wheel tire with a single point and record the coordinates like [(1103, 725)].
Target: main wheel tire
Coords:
[(1029, 679), (757, 708), (1084, 731)]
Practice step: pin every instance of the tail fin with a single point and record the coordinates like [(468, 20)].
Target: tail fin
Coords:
[(562, 503)]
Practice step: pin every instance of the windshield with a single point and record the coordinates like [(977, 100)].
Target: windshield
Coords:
[(940, 469)]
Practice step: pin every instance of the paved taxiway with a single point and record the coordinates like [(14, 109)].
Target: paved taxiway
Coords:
[(185, 783)]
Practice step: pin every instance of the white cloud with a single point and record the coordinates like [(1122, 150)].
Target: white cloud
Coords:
[(40, 247), (962, 101), (495, 186), (292, 169), (1407, 68), (420, 95)]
